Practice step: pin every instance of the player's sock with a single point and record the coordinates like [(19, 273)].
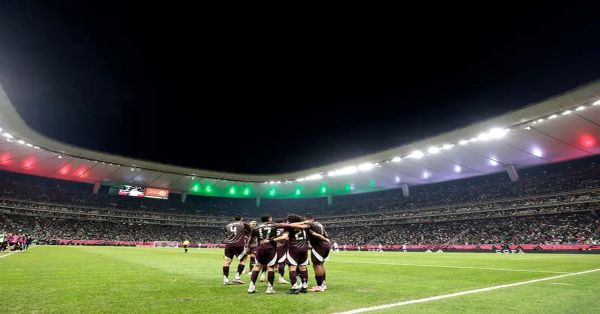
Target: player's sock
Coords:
[(319, 280), (226, 271), (304, 276), (252, 260), (240, 271), (254, 277), (293, 277), (324, 275), (271, 277), (281, 269)]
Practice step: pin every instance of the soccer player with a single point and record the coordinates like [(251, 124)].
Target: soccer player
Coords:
[(250, 246), (320, 244), (282, 247), (266, 253), (3, 241), (185, 245), (297, 255), (234, 246)]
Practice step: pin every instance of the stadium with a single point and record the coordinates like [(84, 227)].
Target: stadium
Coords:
[(501, 214)]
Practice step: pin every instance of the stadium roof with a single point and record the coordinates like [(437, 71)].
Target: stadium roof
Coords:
[(561, 128)]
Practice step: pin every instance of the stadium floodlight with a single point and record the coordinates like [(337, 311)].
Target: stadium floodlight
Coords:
[(7, 135), (29, 145), (346, 170), (22, 142), (566, 112), (537, 152), (552, 117), (527, 128), (457, 168), (433, 150), (132, 169), (365, 166), (596, 103), (497, 133), (316, 176), (396, 159), (425, 175), (271, 182), (463, 142), (483, 137), (417, 154), (299, 180), (580, 108), (36, 147), (447, 146), (59, 157), (397, 179), (493, 161)]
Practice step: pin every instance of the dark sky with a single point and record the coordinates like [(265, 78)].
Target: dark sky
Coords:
[(259, 92)]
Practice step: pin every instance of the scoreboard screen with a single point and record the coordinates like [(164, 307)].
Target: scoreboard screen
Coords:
[(138, 191)]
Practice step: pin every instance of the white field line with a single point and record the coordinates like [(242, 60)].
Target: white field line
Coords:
[(458, 294), (458, 267), (561, 284), (7, 254)]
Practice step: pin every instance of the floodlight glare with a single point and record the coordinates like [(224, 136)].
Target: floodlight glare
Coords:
[(425, 175), (498, 133), (7, 135), (397, 179), (396, 159), (433, 150), (537, 152), (580, 108), (457, 169), (447, 146), (463, 142), (596, 103), (552, 117), (483, 137), (417, 154), (365, 166), (566, 112), (493, 162)]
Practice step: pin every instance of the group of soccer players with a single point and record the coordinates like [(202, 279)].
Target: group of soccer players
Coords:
[(272, 246)]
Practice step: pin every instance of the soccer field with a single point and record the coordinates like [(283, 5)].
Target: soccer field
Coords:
[(59, 279)]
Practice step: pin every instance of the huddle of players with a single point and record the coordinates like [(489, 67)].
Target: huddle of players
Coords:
[(274, 245)]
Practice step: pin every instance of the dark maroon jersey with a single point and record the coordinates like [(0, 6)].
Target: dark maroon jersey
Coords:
[(281, 244), (265, 231), (237, 233), (317, 227), (298, 238)]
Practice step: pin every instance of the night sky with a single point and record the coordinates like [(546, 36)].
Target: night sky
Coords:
[(251, 92)]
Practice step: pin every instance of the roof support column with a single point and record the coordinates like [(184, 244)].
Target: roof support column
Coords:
[(258, 201), (183, 197), (405, 190), (512, 173), (96, 187), (329, 199)]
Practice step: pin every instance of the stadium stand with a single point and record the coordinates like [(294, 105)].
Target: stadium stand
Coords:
[(556, 204)]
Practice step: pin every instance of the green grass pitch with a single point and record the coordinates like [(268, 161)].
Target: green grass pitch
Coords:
[(59, 279)]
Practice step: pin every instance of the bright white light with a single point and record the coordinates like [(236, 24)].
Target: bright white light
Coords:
[(396, 159), (9, 140), (425, 175), (7, 135), (580, 108), (365, 166), (331, 173), (299, 180), (596, 103), (540, 120), (316, 176), (271, 182), (498, 133), (36, 147), (527, 128), (537, 152), (463, 142), (59, 157), (0, 129), (132, 169), (447, 146), (29, 145), (417, 154), (552, 117), (566, 112), (397, 179), (22, 142), (493, 162), (433, 150), (457, 168), (483, 137), (278, 182)]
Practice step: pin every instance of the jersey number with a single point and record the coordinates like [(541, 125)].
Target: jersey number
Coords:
[(267, 231), (300, 236), (233, 229)]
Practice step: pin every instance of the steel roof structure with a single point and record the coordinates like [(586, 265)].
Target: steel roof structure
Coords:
[(564, 127)]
